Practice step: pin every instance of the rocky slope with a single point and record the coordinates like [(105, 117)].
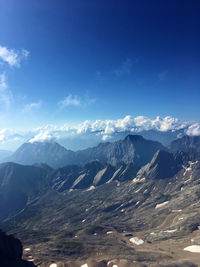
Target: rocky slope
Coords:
[(145, 221)]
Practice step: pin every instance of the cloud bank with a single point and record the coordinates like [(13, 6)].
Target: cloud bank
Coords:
[(102, 130)]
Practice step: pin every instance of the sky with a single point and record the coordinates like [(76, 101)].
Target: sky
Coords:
[(67, 62)]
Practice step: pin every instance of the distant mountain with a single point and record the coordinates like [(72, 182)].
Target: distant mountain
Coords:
[(50, 153), (18, 185), (81, 142), (4, 154), (132, 149), (165, 137), (186, 144)]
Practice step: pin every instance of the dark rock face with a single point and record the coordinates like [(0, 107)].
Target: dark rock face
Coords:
[(11, 252), (163, 165), (186, 144), (132, 149), (18, 184)]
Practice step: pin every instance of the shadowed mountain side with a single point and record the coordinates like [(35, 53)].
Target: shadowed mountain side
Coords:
[(163, 165), (18, 185)]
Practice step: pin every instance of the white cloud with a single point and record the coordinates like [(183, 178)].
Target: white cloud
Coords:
[(12, 57), (70, 100), (105, 129), (42, 137), (128, 123), (7, 135), (193, 129), (5, 94), (31, 106), (76, 101)]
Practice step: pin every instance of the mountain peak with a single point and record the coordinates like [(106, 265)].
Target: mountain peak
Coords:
[(48, 152), (163, 165), (134, 137)]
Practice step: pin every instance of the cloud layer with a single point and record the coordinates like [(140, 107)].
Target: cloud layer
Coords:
[(102, 130)]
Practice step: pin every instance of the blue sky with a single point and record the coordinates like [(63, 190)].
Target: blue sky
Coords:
[(80, 60)]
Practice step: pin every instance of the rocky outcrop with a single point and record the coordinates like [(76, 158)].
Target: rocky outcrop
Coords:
[(11, 252)]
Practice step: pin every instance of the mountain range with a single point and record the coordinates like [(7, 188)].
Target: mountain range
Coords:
[(94, 213), (132, 149)]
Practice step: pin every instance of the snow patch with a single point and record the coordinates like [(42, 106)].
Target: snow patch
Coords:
[(193, 248), (170, 231), (136, 241), (109, 232), (176, 210), (92, 187), (138, 180), (27, 249), (161, 204)]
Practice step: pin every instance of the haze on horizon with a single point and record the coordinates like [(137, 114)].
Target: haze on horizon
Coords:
[(78, 67)]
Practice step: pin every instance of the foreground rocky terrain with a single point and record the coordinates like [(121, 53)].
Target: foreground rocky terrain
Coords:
[(11, 252), (105, 215)]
